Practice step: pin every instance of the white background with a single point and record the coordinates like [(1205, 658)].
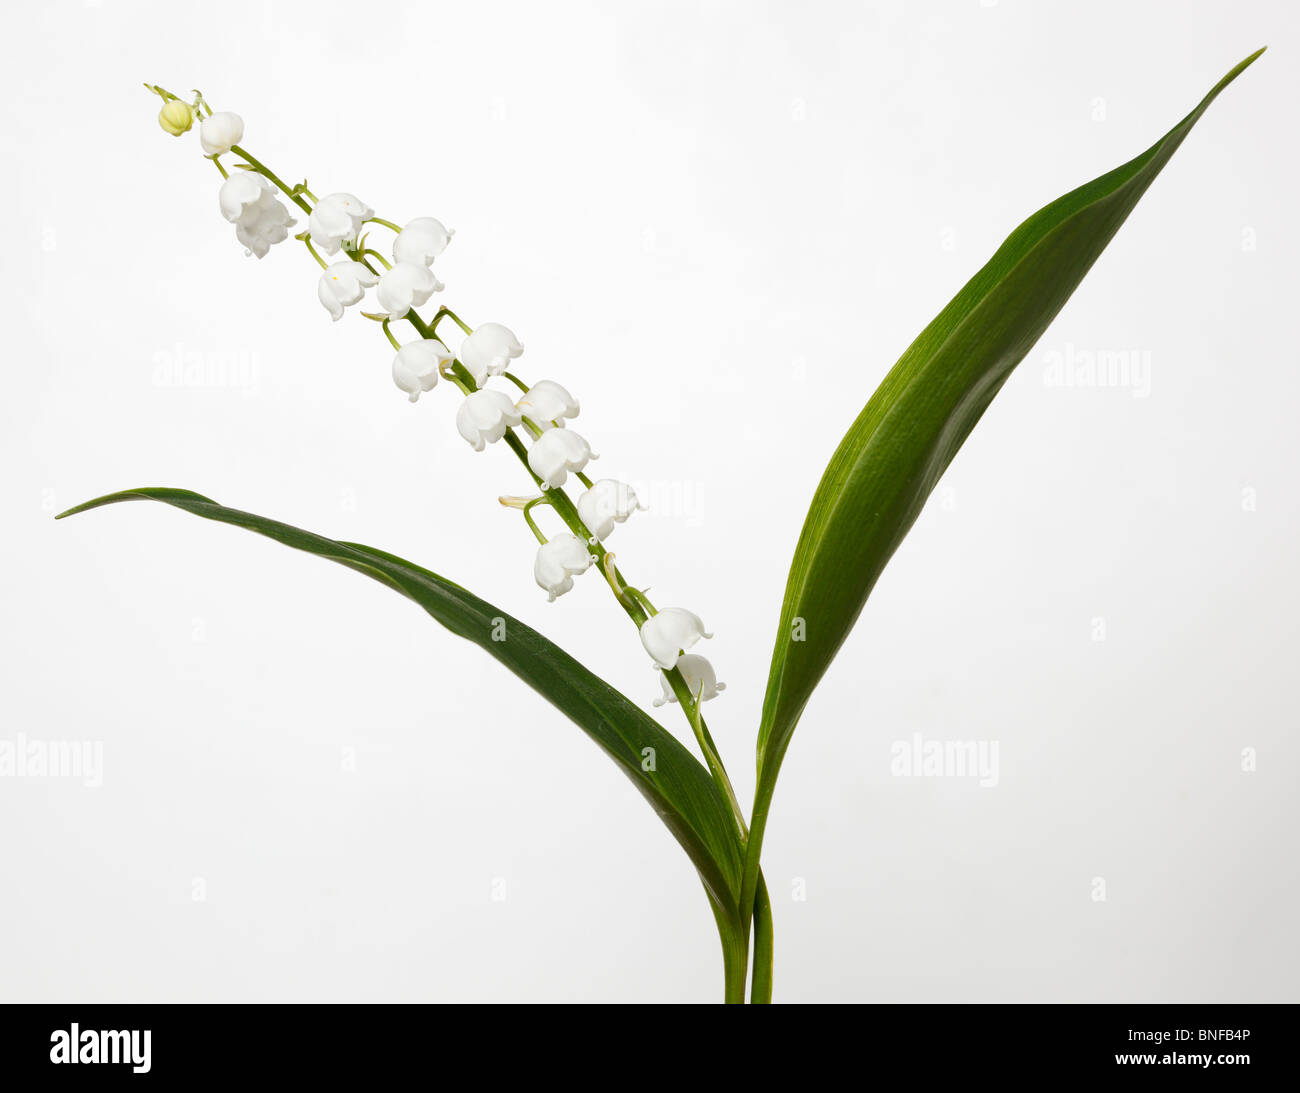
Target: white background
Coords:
[(718, 224)]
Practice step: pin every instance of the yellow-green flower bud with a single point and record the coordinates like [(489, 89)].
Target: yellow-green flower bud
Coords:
[(175, 117)]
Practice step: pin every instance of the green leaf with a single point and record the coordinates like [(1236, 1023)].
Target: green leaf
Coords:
[(679, 788), (883, 471)]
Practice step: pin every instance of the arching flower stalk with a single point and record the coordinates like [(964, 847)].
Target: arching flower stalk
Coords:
[(338, 227)]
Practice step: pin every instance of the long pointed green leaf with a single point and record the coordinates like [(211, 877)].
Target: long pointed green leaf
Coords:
[(678, 787), (880, 476)]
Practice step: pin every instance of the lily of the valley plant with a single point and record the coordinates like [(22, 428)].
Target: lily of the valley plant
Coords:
[(870, 494)]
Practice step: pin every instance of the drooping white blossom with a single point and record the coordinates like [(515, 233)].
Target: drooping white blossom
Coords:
[(489, 351), (546, 403), (248, 201), (421, 241), (555, 453), (670, 633), (342, 285), (240, 190), (337, 219), (483, 417), (219, 132), (406, 286), (264, 226), (558, 561), (418, 364), (607, 503), (700, 678)]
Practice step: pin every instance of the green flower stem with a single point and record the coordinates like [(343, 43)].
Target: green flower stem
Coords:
[(528, 517), (735, 952), (761, 989), (733, 922), (447, 313), (389, 334), (638, 595), (691, 704), (516, 381), (272, 177), (750, 876), (312, 250), (380, 257), (385, 223)]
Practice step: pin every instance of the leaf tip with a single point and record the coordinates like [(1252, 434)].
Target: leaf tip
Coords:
[(1243, 65), (149, 493)]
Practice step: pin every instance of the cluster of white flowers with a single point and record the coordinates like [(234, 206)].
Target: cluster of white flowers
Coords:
[(247, 199), (335, 224), (335, 227), (556, 452)]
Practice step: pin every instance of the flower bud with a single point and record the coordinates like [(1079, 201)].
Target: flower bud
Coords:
[(175, 117)]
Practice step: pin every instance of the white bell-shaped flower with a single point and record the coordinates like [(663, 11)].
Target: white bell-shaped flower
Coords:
[(421, 241), (700, 679), (261, 226), (607, 503), (546, 403), (670, 633), (418, 364), (555, 453), (337, 219), (342, 285), (406, 286), (489, 351), (248, 201), (558, 562), (242, 190), (220, 132), (484, 416)]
